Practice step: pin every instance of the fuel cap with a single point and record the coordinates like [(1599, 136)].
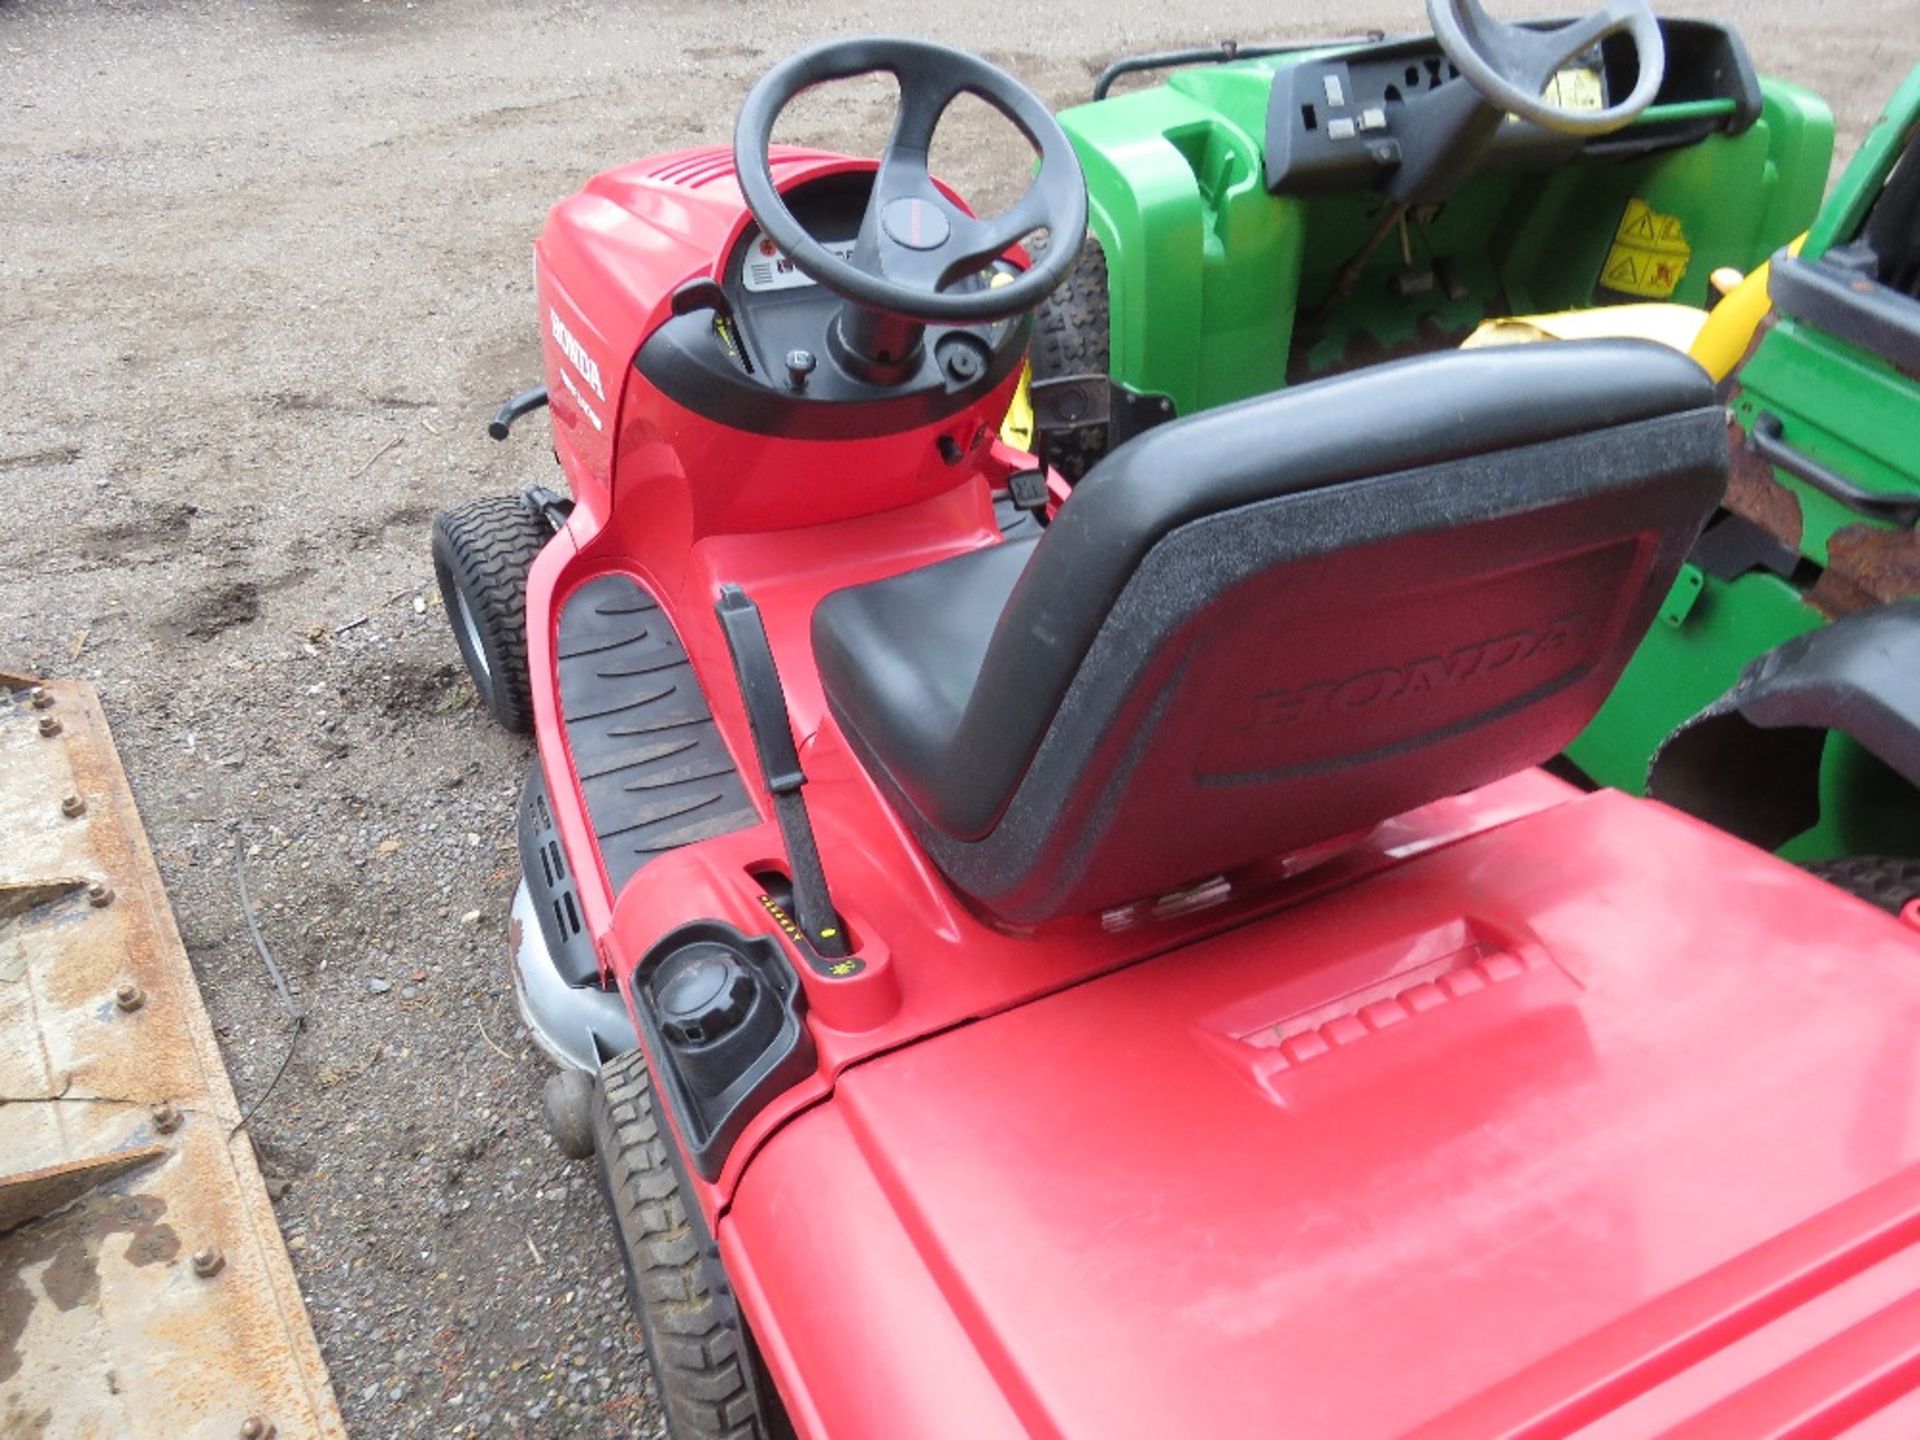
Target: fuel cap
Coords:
[(702, 993)]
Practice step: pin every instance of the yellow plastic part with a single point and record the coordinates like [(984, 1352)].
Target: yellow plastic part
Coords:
[(1675, 326), (1724, 340), (1718, 339), (1017, 428)]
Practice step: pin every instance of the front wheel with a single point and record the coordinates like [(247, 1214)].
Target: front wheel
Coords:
[(482, 552), (711, 1382)]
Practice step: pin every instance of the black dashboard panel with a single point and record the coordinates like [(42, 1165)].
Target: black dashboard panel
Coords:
[(1349, 119), (757, 350), (776, 308)]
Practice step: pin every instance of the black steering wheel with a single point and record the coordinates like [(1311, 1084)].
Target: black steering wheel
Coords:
[(914, 242), (1511, 64)]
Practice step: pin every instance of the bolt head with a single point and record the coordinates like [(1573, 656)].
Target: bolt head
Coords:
[(99, 894), (130, 997), (255, 1428), (40, 697), (49, 726), (208, 1263), (73, 806), (166, 1117)]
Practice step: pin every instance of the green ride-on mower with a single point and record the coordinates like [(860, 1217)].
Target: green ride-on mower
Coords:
[(1270, 215), (1780, 692)]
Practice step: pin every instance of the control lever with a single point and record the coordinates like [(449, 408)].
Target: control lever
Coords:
[(766, 704), (1028, 491)]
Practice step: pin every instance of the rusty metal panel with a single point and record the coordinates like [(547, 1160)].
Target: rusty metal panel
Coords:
[(144, 1286)]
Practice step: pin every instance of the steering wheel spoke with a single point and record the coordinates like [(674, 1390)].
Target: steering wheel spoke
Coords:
[(979, 241), (925, 96), (1511, 65), (1544, 53)]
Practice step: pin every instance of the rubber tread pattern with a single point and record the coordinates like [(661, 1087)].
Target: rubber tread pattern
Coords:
[(654, 770), (1072, 335), (1888, 881), (486, 547), (702, 1359)]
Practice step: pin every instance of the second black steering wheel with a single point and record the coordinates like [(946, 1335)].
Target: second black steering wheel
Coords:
[(1511, 64), (915, 245)]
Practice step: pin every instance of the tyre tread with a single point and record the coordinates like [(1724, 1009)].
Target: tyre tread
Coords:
[(694, 1335), (1072, 335), (486, 548), (1888, 881)]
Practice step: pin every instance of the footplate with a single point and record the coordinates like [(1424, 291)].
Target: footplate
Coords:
[(144, 1285), (654, 770)]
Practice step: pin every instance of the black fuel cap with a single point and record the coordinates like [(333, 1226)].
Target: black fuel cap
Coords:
[(702, 993)]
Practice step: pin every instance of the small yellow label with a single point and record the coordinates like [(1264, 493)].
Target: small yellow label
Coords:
[(1577, 87), (1649, 254)]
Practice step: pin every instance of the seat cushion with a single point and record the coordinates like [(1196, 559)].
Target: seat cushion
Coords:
[(900, 658)]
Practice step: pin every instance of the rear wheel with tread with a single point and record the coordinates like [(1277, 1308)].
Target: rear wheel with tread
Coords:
[(1889, 881), (482, 552), (1072, 333), (710, 1379)]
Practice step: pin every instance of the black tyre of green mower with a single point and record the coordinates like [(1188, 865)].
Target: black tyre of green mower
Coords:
[(711, 1382), (1072, 335), (1888, 881), (482, 552)]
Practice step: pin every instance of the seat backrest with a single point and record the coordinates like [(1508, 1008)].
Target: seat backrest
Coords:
[(1274, 623)]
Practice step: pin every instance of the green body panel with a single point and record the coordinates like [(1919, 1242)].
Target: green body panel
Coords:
[(1217, 289), (1707, 632), (1840, 217), (1850, 410), (1855, 413)]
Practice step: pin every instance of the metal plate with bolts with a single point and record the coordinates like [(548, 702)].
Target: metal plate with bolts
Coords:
[(144, 1285)]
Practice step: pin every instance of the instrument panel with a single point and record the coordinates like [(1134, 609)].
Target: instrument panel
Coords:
[(1350, 119)]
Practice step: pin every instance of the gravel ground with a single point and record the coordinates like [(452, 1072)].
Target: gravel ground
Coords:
[(263, 272)]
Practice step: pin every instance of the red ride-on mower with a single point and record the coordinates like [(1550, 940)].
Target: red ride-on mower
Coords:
[(1111, 967)]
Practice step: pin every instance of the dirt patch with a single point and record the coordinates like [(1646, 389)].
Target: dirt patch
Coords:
[(40, 459), (219, 608), (158, 527), (413, 686)]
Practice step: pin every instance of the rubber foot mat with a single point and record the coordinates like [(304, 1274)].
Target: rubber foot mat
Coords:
[(651, 762)]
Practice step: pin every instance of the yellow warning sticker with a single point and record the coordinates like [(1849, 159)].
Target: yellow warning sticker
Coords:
[(1649, 254), (1578, 87)]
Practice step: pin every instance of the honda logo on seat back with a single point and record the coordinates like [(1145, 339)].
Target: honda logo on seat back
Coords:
[(1392, 684)]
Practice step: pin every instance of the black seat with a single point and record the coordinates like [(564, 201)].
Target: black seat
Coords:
[(1275, 623)]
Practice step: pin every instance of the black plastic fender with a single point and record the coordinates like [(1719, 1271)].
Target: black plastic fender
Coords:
[(1750, 762)]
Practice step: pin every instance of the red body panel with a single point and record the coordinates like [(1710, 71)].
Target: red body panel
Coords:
[(1523, 1112), (1598, 1117)]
